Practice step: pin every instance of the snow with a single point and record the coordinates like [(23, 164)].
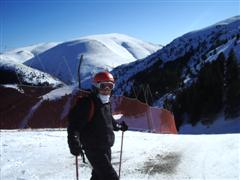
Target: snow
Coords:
[(29, 74), (101, 52), (12, 86), (226, 48), (220, 125), (23, 54), (117, 116), (200, 43), (58, 93), (44, 154)]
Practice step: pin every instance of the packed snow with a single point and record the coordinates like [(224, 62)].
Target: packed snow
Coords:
[(44, 155)]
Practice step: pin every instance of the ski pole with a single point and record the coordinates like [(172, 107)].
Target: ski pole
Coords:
[(120, 164), (76, 160)]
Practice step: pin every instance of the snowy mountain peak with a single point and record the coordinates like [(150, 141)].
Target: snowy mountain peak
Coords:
[(104, 51), (221, 35), (188, 74), (177, 65), (23, 54), (229, 20)]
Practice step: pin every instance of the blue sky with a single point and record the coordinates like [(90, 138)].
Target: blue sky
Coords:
[(26, 22)]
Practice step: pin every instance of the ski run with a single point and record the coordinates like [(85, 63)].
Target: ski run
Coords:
[(44, 155)]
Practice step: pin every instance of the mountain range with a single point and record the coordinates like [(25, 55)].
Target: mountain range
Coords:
[(20, 55), (196, 48), (196, 76), (100, 52), (61, 59)]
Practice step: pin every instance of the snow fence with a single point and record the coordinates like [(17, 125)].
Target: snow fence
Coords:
[(35, 108), (142, 117)]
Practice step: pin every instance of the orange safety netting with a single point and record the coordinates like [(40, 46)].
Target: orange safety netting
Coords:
[(140, 116), (29, 110)]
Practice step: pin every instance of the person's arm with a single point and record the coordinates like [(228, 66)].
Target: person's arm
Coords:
[(77, 120)]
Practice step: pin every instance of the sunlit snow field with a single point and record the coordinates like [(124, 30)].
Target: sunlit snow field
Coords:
[(44, 155)]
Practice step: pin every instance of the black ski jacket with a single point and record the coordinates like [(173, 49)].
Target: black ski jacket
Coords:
[(95, 133)]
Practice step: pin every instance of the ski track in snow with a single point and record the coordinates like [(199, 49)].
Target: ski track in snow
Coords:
[(44, 155), (25, 120), (51, 96)]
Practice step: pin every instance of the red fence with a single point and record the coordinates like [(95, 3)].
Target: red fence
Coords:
[(140, 116), (28, 110)]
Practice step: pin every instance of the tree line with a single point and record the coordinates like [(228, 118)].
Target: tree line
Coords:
[(217, 88)]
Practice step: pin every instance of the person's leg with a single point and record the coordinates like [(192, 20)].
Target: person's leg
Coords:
[(109, 154), (101, 163), (94, 176)]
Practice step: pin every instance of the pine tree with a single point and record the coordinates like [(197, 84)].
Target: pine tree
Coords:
[(232, 82), (204, 97), (210, 86)]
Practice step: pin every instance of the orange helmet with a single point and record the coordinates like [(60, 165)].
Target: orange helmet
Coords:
[(103, 77)]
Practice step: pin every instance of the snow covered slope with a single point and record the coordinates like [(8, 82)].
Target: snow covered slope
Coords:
[(18, 73), (196, 48), (177, 77), (100, 52), (23, 54), (220, 126), (44, 155)]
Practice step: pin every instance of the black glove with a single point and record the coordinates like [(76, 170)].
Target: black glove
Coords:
[(75, 145), (76, 150), (124, 126)]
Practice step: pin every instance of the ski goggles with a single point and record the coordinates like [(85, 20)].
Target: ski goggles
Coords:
[(105, 85)]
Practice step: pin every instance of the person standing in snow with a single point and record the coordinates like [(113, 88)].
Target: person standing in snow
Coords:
[(91, 127)]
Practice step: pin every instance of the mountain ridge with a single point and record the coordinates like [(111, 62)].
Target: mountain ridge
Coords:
[(175, 50), (191, 66), (22, 54), (100, 52)]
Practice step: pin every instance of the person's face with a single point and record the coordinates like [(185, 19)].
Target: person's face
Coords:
[(105, 91), (105, 88)]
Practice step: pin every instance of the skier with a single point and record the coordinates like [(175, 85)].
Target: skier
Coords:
[(91, 126)]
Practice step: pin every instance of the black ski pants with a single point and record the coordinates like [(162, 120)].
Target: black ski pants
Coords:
[(100, 160)]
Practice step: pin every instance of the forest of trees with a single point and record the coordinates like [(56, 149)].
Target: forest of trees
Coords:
[(11, 76), (217, 88)]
